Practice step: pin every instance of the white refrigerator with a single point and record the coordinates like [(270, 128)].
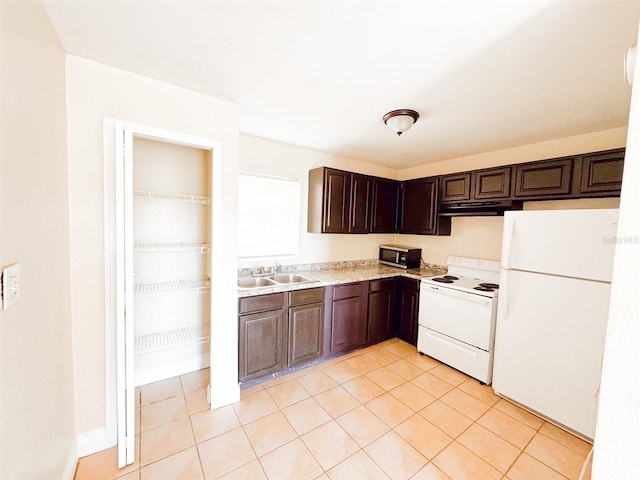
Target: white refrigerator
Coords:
[(553, 307)]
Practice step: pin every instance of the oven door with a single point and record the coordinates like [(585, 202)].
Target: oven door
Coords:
[(463, 316)]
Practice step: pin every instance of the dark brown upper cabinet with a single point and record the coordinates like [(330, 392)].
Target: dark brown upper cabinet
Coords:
[(601, 173), (477, 186), (384, 205), (455, 188), (543, 180), (491, 184), (329, 195), (419, 208), (339, 201), (360, 204)]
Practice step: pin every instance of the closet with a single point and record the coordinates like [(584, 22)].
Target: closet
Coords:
[(169, 195)]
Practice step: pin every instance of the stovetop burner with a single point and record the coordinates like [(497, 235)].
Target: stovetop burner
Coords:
[(451, 277), (484, 289), (442, 280), (492, 286)]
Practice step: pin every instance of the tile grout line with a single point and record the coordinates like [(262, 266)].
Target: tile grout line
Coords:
[(360, 375), (193, 433), (332, 419)]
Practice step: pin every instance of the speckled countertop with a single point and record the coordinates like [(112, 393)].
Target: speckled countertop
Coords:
[(346, 274)]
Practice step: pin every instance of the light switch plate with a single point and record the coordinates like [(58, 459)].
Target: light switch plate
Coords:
[(10, 285)]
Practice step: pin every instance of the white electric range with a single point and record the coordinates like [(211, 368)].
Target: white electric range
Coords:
[(457, 316)]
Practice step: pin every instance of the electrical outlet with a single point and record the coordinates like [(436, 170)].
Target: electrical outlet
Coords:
[(10, 285)]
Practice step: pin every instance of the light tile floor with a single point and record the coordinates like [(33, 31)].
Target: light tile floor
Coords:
[(378, 413)]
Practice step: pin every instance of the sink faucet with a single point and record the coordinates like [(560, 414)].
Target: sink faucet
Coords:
[(266, 271)]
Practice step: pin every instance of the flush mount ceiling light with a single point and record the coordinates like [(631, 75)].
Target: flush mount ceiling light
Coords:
[(400, 120), (629, 64)]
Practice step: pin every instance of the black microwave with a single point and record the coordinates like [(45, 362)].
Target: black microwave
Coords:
[(400, 256)]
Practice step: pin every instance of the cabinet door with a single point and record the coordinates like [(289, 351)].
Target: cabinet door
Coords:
[(348, 317), (348, 325), (360, 204), (409, 292), (306, 324), (602, 173), (384, 206), (381, 310), (491, 184), (455, 188), (335, 206), (418, 206), (260, 344), (544, 179)]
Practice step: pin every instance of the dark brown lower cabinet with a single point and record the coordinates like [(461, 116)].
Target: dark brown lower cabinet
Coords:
[(408, 302), (380, 316), (306, 325), (261, 333), (348, 328), (284, 330)]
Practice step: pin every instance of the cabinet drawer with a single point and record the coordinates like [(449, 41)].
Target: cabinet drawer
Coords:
[(410, 284), (261, 303), (347, 291), (306, 296), (382, 284)]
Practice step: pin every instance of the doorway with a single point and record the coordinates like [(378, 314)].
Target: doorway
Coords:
[(161, 200)]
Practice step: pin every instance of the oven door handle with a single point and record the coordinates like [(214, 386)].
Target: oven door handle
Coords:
[(470, 297)]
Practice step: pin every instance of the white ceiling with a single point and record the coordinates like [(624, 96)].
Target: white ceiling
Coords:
[(321, 74)]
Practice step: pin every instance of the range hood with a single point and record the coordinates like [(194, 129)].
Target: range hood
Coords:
[(478, 209)]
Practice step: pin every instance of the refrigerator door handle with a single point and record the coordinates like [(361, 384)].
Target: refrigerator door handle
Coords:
[(503, 299), (507, 240)]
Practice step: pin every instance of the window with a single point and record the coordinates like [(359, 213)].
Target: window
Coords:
[(268, 216)]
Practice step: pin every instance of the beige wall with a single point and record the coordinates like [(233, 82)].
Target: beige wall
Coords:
[(93, 92), (258, 155), (36, 364)]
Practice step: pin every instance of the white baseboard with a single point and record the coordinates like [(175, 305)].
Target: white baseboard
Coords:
[(92, 441), (72, 462)]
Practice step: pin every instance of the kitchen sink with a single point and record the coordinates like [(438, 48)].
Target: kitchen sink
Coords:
[(254, 282), (275, 280), (291, 278)]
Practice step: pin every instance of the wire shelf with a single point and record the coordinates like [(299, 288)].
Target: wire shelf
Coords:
[(174, 287), (150, 247), (171, 338), (173, 196)]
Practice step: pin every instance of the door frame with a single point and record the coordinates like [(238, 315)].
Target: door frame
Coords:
[(118, 138)]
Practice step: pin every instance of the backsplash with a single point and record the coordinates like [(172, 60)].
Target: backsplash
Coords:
[(306, 267)]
